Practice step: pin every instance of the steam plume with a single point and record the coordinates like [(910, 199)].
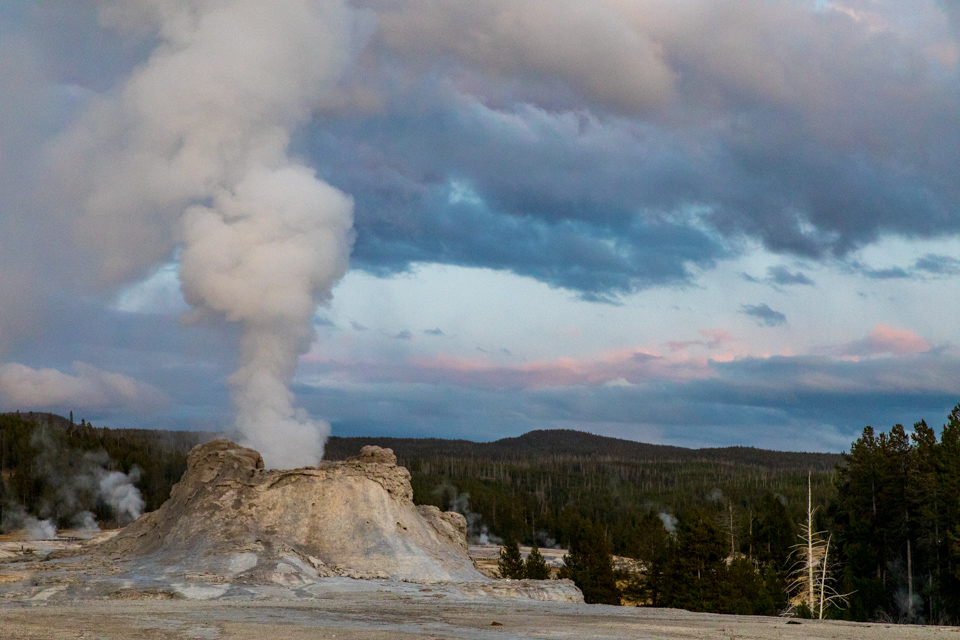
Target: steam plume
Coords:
[(192, 150)]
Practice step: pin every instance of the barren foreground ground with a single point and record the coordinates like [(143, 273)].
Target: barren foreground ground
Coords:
[(352, 609), (33, 605)]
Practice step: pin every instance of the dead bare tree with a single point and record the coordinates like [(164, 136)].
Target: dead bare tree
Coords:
[(812, 584)]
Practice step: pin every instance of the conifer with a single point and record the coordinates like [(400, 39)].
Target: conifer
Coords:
[(535, 568), (510, 564), (590, 565)]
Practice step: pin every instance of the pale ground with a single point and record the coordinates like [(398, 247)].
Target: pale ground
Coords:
[(360, 609), (407, 613)]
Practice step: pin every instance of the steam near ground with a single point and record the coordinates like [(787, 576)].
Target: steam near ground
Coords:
[(80, 481)]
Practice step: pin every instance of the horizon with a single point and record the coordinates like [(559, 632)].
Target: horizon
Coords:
[(692, 224), (227, 434)]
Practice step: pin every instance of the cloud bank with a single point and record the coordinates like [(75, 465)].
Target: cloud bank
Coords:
[(227, 156)]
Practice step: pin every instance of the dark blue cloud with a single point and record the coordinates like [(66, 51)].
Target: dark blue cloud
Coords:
[(938, 265), (779, 276), (451, 187), (889, 273), (767, 316), (610, 205), (925, 267)]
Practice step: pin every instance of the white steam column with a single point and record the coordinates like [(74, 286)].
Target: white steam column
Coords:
[(265, 254), (192, 149)]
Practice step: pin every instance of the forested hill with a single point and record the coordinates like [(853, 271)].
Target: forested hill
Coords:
[(542, 444), (566, 443)]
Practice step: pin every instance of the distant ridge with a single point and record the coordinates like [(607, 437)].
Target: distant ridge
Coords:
[(567, 443), (533, 445)]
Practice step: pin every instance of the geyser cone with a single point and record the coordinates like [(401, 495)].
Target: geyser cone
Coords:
[(230, 516)]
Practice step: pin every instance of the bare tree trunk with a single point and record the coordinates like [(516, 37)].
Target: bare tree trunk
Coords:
[(811, 602), (823, 575)]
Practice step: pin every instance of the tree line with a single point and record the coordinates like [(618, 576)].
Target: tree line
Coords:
[(42, 460), (885, 546)]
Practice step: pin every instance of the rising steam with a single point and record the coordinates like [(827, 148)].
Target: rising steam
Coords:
[(193, 150)]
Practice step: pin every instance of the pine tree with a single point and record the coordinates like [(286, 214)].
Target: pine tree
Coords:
[(693, 576), (535, 568), (510, 564), (590, 565), (649, 542), (772, 534)]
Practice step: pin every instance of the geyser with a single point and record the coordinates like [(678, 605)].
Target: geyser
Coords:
[(191, 151)]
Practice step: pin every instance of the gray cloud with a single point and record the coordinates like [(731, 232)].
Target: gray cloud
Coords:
[(434, 332), (889, 273), (773, 159), (938, 265), (614, 147), (767, 316), (781, 276), (928, 266)]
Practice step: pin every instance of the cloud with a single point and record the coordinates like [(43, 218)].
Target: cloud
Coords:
[(434, 332), (545, 41), (605, 147), (743, 148), (767, 316), (601, 146), (484, 372), (884, 339), (812, 403), (780, 275), (26, 389), (938, 265), (586, 232), (889, 273), (713, 339), (404, 335), (926, 267)]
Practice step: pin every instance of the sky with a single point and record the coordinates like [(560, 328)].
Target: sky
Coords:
[(687, 222)]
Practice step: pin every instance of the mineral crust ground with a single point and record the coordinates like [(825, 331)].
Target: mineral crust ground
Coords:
[(353, 609)]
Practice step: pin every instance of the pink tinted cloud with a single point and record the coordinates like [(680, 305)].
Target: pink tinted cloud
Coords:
[(713, 338), (622, 366), (884, 339), (716, 337), (629, 364)]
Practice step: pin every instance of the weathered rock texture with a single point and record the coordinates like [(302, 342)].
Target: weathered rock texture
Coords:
[(230, 517)]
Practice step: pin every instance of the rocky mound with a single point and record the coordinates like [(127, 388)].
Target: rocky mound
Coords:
[(229, 517)]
